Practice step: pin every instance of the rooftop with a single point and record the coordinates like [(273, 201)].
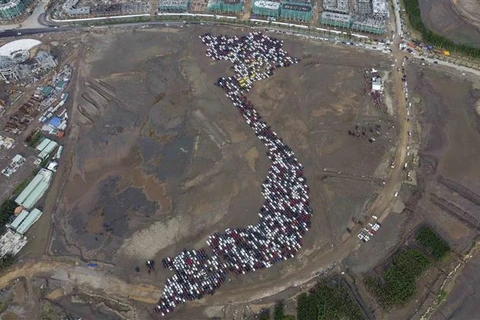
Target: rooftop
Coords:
[(267, 5), (35, 189), (11, 48), (29, 221)]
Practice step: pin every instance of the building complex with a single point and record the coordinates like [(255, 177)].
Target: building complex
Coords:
[(369, 16), (11, 9), (25, 59)]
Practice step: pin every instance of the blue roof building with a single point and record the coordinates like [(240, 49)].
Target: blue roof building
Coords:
[(55, 122)]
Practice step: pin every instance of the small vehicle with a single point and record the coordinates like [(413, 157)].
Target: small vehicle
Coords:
[(375, 217), (360, 236)]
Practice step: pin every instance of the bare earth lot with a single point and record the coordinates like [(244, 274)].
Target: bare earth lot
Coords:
[(456, 19), (163, 159)]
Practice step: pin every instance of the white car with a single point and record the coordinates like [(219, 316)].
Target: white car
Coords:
[(360, 236), (375, 217), (366, 238)]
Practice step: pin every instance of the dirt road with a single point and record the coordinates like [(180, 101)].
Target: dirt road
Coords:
[(83, 277)]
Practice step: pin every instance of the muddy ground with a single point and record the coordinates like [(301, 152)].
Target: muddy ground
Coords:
[(444, 18), (163, 159), (450, 148)]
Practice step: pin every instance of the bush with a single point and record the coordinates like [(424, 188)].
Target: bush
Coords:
[(414, 16), (278, 311), (432, 242), (7, 261), (6, 211), (264, 314), (328, 303), (398, 283)]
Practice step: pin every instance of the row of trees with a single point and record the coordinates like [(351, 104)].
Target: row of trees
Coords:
[(7, 209), (414, 16), (398, 283), (432, 242), (328, 303)]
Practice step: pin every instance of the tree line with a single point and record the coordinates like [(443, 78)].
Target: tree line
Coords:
[(412, 8)]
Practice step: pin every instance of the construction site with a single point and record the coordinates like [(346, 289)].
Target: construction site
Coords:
[(369, 16), (128, 152)]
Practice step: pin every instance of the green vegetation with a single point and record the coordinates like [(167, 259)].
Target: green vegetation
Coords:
[(34, 138), (6, 211), (328, 303), (264, 314), (278, 311), (398, 283), (414, 16), (442, 295), (18, 189), (432, 242), (7, 261)]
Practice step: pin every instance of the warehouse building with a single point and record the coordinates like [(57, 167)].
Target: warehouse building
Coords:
[(173, 5), (226, 6), (266, 8), (338, 20), (11, 9), (71, 9), (296, 11), (370, 25), (29, 221), (337, 6), (35, 189), (19, 219), (47, 150)]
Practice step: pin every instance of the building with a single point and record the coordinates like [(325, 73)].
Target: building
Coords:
[(18, 220), (22, 60), (380, 9), (337, 6), (173, 5), (35, 189), (47, 150), (338, 20), (226, 6), (16, 163), (377, 84), (370, 25), (198, 5), (29, 221), (266, 8), (71, 9), (296, 11), (11, 243), (11, 9), (363, 7)]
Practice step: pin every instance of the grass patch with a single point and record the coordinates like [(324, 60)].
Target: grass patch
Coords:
[(432, 242), (328, 302), (398, 284)]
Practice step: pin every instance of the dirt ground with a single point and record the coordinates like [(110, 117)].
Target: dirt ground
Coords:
[(462, 300), (157, 159), (449, 148), (162, 160), (450, 19)]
